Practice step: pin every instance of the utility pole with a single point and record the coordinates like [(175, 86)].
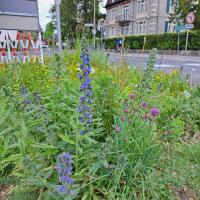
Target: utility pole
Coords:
[(40, 37), (58, 26), (94, 27)]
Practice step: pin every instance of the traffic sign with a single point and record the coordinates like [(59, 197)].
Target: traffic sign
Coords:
[(190, 18), (94, 31), (88, 25), (101, 24), (179, 28), (189, 26)]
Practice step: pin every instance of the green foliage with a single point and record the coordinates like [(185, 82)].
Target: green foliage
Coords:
[(166, 41), (49, 30), (144, 158), (74, 14), (183, 7)]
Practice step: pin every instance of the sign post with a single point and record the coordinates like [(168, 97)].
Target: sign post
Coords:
[(58, 26), (190, 18), (94, 32), (101, 28), (187, 39), (178, 29)]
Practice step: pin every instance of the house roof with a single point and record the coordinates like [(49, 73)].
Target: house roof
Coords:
[(112, 3)]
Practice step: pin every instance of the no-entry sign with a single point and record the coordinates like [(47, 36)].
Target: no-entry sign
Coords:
[(190, 18)]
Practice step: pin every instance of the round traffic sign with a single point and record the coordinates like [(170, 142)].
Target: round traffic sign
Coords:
[(190, 18), (94, 31)]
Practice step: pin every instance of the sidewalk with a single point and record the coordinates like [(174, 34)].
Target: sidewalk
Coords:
[(161, 57)]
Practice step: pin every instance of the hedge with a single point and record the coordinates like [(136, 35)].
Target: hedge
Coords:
[(166, 41)]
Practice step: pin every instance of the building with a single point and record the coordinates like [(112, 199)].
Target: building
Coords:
[(21, 15), (138, 17)]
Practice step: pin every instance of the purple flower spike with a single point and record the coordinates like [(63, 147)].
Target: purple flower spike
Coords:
[(88, 81), (81, 119), (88, 93), (131, 96), (144, 104), (64, 167), (83, 99), (85, 91), (80, 77), (62, 189), (155, 112), (82, 132), (88, 115)]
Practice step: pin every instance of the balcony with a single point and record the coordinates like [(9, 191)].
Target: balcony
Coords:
[(122, 19)]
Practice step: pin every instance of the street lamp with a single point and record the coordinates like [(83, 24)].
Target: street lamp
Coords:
[(58, 26)]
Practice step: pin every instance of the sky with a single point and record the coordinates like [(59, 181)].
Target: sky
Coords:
[(45, 5)]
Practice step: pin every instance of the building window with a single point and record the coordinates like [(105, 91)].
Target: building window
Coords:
[(126, 12), (170, 6), (113, 15), (141, 28), (142, 7), (170, 27), (125, 30), (113, 31)]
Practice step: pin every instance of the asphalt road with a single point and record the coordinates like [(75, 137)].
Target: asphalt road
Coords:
[(188, 65)]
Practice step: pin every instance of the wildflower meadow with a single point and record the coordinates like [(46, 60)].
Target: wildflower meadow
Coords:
[(83, 128)]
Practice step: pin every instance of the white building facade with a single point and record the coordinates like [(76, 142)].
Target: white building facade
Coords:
[(138, 17)]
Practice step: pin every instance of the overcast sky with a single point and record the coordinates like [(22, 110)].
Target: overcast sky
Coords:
[(44, 6)]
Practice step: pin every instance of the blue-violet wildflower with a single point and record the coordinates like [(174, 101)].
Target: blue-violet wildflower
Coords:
[(84, 108), (65, 172)]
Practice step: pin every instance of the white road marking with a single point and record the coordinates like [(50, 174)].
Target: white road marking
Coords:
[(165, 66), (192, 64)]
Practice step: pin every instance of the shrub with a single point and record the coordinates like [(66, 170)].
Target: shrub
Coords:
[(166, 41)]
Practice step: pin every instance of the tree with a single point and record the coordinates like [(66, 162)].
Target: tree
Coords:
[(74, 13), (48, 34), (183, 7)]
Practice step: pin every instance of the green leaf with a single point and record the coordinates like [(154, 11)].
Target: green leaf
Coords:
[(12, 158), (66, 139), (42, 146)]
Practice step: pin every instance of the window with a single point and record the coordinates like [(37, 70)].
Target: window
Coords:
[(125, 30), (142, 7), (113, 31), (113, 15), (141, 28), (170, 27), (170, 6), (126, 12)]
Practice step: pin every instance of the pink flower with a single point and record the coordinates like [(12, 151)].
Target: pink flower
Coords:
[(117, 129), (126, 110), (122, 118)]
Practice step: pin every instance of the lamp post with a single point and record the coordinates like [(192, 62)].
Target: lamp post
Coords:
[(58, 26)]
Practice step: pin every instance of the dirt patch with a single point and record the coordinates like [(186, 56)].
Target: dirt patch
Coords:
[(5, 191), (184, 194)]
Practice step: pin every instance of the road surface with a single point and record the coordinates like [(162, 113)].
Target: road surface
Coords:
[(188, 65)]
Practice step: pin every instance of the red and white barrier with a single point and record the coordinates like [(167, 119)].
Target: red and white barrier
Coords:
[(12, 41)]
